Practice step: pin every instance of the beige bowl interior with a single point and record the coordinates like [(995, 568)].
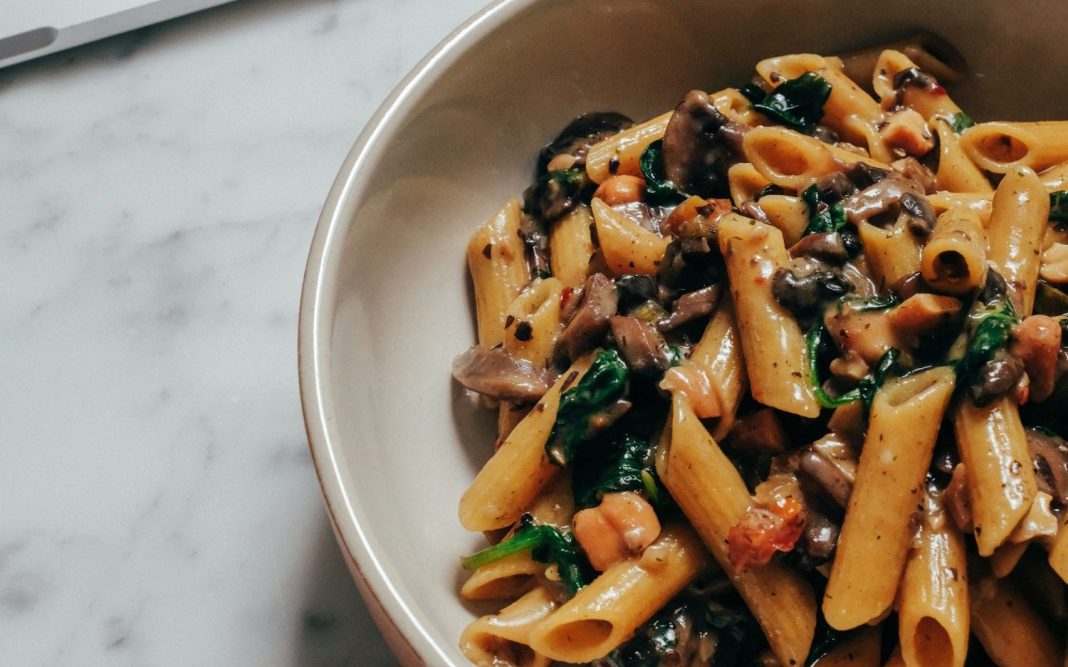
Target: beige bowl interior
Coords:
[(386, 305)]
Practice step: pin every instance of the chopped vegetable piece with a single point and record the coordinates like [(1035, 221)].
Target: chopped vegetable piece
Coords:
[(822, 217), (1058, 206), (816, 341), (797, 102), (599, 388), (546, 544), (752, 92), (658, 189), (991, 326), (960, 121)]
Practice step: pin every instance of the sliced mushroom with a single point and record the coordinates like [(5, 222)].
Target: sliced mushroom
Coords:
[(640, 344), (691, 306), (589, 323), (803, 293), (1049, 454), (832, 465), (1036, 342), (579, 135), (824, 246), (759, 433), (835, 187), (881, 203), (493, 372), (692, 150), (996, 377)]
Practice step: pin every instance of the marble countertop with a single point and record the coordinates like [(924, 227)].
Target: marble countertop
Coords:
[(159, 190)]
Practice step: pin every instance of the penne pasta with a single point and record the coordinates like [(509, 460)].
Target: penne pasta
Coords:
[(979, 204), (794, 161), (1001, 147), (498, 266), (571, 247), (1001, 483), (520, 469), (776, 357), (620, 153), (876, 535), (787, 214), (503, 639), (745, 182), (892, 252), (608, 611), (505, 579), (1008, 627), (933, 625), (954, 259), (1017, 223), (714, 498), (627, 246), (956, 172)]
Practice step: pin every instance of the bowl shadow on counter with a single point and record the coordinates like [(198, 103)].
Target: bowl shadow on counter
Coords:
[(333, 625)]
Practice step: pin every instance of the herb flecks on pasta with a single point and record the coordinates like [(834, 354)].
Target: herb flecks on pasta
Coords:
[(781, 364)]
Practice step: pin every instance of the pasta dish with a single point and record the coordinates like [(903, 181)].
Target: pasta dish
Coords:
[(781, 378)]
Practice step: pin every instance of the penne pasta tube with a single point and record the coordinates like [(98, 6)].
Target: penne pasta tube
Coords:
[(627, 246), (1018, 219), (954, 259), (926, 101), (571, 247), (787, 214), (1006, 557), (956, 172), (714, 498), (533, 322), (719, 354), (1010, 630), (876, 534), (1002, 146), (892, 252), (930, 52), (505, 579), (976, 203), (775, 361), (794, 161), (624, 149), (745, 182), (736, 107), (518, 471), (1058, 550), (858, 649), (848, 110), (503, 639), (497, 262), (1001, 481), (606, 613), (933, 622), (1055, 178)]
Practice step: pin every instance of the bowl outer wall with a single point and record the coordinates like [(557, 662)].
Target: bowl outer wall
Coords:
[(385, 303)]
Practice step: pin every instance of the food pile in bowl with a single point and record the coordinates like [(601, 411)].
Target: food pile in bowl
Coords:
[(781, 377)]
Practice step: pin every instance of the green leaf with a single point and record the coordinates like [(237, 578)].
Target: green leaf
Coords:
[(1058, 206), (546, 544), (752, 92), (991, 326), (797, 102), (658, 190), (816, 341), (821, 216), (960, 121), (600, 387)]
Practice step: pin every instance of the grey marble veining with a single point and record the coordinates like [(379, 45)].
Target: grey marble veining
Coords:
[(158, 194)]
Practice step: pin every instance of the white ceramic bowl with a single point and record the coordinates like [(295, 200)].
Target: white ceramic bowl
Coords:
[(385, 304)]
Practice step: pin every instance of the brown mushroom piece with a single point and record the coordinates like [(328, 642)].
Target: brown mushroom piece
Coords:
[(824, 246), (495, 373), (589, 323), (1049, 454), (996, 377), (580, 134), (693, 150), (691, 306), (888, 201), (640, 344), (831, 464)]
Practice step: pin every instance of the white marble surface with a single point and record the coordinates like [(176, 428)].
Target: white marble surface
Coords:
[(158, 193)]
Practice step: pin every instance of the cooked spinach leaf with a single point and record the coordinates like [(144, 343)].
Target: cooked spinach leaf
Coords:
[(658, 189), (546, 544), (612, 464), (602, 385), (822, 217), (797, 102), (1058, 206), (991, 326), (960, 121), (752, 92), (817, 340)]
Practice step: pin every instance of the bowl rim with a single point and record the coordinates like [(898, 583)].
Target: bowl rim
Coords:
[(410, 642)]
